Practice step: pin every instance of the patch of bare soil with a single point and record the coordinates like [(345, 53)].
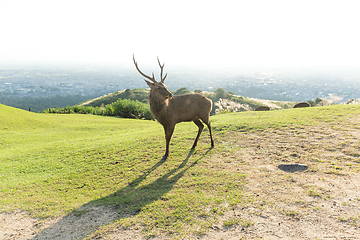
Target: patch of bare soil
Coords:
[(18, 225), (321, 201), (318, 199)]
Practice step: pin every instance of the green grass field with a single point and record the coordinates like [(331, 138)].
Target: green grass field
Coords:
[(51, 165)]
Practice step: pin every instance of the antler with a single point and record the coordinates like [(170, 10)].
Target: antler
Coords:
[(150, 78), (162, 79)]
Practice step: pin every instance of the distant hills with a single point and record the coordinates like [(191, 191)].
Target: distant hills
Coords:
[(133, 103), (41, 88), (136, 104)]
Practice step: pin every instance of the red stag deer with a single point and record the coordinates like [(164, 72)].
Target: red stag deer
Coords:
[(170, 110)]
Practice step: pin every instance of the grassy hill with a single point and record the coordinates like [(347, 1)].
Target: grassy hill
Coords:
[(61, 165), (138, 94)]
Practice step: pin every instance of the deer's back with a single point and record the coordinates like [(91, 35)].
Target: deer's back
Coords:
[(188, 107)]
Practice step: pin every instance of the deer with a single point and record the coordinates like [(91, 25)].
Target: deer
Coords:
[(169, 110)]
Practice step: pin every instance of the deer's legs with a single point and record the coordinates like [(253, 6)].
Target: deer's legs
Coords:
[(168, 134), (212, 140), (201, 127)]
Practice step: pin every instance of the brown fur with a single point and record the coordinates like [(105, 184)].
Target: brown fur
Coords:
[(170, 110)]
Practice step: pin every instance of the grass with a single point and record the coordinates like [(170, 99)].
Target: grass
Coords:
[(260, 121), (59, 158), (291, 213), (355, 220), (52, 165), (314, 193)]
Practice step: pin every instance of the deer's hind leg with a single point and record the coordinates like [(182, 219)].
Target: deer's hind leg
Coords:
[(211, 138), (201, 127), (206, 120)]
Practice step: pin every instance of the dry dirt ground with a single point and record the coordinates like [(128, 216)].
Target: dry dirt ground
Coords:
[(319, 202)]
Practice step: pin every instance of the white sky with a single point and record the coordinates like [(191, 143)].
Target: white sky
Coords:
[(210, 33)]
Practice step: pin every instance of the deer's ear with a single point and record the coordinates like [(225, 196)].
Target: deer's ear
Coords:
[(150, 84)]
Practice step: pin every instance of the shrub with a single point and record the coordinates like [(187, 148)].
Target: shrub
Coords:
[(122, 107), (129, 106)]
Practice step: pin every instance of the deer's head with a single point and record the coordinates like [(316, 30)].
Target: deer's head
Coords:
[(157, 88)]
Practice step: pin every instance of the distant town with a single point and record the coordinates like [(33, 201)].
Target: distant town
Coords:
[(80, 84)]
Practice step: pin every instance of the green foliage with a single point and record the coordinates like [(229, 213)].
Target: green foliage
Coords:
[(138, 94), (121, 108), (219, 93), (129, 106), (312, 103), (317, 102)]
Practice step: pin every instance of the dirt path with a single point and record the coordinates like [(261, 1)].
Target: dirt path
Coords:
[(320, 202)]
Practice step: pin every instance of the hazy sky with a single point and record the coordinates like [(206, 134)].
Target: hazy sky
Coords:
[(192, 33)]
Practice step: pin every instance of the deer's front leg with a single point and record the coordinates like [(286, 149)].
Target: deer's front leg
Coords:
[(168, 134)]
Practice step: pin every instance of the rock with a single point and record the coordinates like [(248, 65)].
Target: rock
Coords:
[(302, 104), (262, 108)]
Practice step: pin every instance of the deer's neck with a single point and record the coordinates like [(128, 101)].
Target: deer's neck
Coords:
[(159, 107)]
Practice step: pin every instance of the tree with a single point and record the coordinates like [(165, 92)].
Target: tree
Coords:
[(181, 91), (219, 93), (318, 101), (312, 103)]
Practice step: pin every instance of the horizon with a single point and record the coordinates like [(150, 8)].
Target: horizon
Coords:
[(184, 34)]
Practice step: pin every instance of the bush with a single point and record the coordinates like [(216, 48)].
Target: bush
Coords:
[(122, 108), (129, 106)]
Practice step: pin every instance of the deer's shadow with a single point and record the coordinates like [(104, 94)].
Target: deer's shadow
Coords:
[(127, 202)]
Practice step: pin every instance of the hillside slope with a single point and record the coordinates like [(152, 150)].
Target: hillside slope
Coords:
[(133, 94), (101, 177), (16, 119)]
